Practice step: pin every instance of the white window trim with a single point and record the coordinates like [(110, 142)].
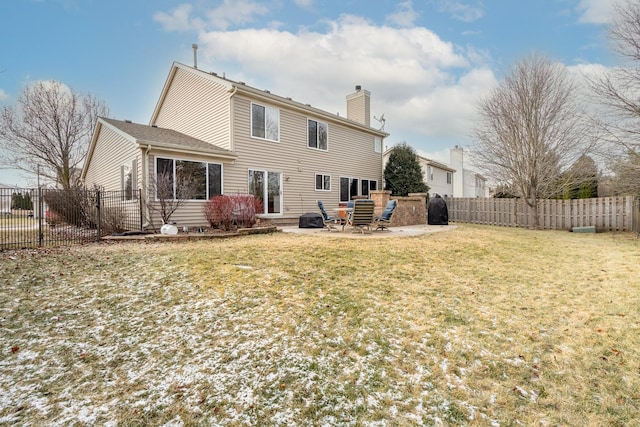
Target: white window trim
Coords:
[(377, 144), (317, 122), (265, 106), (281, 185), (208, 196), (322, 175), (133, 166)]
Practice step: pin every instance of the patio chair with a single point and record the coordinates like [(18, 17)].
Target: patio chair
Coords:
[(362, 215), (330, 222), (383, 221)]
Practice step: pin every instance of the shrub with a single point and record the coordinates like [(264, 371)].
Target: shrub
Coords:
[(74, 206), (113, 220), (229, 212)]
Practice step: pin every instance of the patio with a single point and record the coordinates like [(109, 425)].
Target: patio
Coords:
[(400, 231)]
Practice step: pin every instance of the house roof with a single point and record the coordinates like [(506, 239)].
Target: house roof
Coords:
[(437, 164), (243, 89), (154, 136)]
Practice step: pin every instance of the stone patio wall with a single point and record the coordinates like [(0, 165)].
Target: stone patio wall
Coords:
[(411, 210)]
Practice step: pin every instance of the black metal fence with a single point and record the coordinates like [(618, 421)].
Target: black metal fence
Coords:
[(37, 217)]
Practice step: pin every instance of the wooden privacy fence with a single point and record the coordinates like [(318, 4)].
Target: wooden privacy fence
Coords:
[(605, 213)]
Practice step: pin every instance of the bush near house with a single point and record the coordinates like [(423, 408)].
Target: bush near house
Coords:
[(228, 212), (75, 206)]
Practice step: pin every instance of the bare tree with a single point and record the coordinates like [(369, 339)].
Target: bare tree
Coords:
[(49, 130), (530, 130), (618, 91), (170, 195)]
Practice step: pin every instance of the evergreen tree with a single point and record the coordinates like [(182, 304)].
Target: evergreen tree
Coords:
[(403, 173), (21, 201)]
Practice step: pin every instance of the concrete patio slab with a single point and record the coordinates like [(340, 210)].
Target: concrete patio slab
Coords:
[(404, 231)]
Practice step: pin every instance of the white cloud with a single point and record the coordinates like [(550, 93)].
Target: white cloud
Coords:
[(405, 16), (227, 14), (235, 12), (595, 11), (305, 4), (462, 11), (177, 20), (426, 87), (3, 96)]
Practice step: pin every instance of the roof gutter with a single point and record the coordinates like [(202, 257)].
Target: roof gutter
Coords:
[(230, 156), (306, 109)]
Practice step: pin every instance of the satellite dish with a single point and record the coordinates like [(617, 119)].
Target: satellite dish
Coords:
[(382, 121)]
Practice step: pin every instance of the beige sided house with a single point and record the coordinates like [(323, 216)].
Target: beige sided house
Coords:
[(238, 139)]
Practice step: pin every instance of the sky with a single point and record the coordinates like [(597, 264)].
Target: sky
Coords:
[(426, 62)]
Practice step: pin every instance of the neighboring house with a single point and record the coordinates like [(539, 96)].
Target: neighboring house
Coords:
[(450, 180), (438, 176), (466, 182), (6, 191), (238, 139)]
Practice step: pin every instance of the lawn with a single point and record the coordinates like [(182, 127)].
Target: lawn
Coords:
[(477, 326)]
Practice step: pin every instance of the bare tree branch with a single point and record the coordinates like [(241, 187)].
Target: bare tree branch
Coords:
[(50, 127), (618, 92), (531, 130), (170, 194)]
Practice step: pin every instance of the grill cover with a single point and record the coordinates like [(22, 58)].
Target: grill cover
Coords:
[(310, 220)]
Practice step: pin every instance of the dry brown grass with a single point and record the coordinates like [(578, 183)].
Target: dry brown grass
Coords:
[(476, 326)]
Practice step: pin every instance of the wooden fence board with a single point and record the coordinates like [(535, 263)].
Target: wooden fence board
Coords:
[(605, 213)]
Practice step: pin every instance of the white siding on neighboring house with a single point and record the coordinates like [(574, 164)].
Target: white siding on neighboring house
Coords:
[(197, 106), (474, 185), (467, 183), (113, 151), (438, 176)]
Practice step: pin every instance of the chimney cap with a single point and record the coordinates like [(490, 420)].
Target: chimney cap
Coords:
[(358, 87)]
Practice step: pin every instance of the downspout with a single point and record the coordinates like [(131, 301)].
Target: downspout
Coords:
[(231, 142), (146, 184)]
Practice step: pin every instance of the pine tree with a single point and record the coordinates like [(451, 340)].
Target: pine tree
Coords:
[(403, 173)]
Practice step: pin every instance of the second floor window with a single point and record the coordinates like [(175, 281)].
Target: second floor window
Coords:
[(448, 177), (377, 144), (265, 122), (317, 135)]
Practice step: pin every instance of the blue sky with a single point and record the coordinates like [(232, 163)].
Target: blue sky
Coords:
[(425, 62)]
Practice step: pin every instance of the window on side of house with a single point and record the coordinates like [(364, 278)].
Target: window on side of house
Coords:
[(186, 179), (364, 187), (349, 188), (128, 179), (449, 177), (367, 185), (323, 182), (377, 144), (265, 122), (430, 170), (317, 135)]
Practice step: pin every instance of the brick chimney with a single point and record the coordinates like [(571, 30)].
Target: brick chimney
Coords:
[(359, 106)]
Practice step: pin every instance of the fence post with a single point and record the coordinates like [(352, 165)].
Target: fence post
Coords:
[(140, 206), (40, 209), (99, 227)]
